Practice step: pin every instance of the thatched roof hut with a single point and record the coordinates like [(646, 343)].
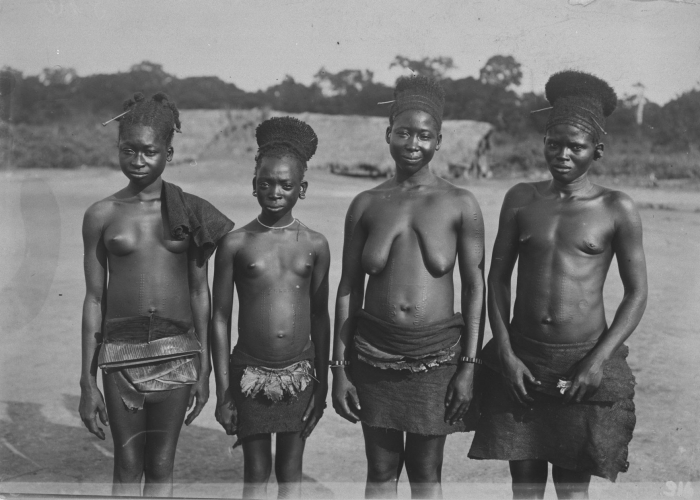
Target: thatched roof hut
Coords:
[(352, 145)]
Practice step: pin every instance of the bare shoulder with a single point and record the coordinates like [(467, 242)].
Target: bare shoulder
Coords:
[(458, 195), (620, 204), (231, 242), (523, 193), (317, 240), (99, 213)]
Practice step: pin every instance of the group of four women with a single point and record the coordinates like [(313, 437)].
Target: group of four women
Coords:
[(552, 386)]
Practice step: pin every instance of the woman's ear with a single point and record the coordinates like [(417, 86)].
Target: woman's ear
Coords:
[(598, 153), (170, 153), (387, 136), (302, 191), (255, 185), (439, 142)]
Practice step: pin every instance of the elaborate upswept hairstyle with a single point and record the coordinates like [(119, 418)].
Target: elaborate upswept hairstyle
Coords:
[(158, 112), (421, 93), (581, 100), (285, 136)]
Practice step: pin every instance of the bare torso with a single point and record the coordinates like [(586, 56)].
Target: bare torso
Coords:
[(148, 270), (410, 251), (272, 272), (565, 246)]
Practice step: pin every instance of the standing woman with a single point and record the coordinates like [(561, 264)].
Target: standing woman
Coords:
[(405, 362), (147, 304)]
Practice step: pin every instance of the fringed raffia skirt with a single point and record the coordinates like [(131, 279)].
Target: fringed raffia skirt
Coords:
[(265, 408)]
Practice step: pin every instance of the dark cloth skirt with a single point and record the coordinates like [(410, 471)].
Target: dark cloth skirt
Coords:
[(261, 415), (406, 401), (591, 436)]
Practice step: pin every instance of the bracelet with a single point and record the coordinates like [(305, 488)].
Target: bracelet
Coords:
[(336, 364), (476, 361)]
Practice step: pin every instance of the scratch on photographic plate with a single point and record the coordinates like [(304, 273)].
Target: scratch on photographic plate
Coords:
[(17, 452), (103, 450)]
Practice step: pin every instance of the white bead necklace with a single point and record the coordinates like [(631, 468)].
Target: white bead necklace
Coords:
[(273, 227)]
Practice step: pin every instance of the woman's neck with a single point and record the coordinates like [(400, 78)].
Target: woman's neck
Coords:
[(423, 177), (148, 192), (567, 189)]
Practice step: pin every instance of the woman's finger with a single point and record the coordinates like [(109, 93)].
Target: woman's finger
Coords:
[(448, 395), (102, 411)]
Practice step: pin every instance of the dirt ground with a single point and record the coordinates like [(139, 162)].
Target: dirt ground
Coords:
[(45, 449)]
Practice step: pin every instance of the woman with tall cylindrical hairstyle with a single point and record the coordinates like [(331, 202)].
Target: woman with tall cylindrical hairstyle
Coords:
[(404, 361)]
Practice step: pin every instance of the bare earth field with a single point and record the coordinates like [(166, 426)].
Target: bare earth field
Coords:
[(45, 449)]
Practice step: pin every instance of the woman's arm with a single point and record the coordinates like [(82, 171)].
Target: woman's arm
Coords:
[(505, 254), (200, 302), (627, 245), (220, 332), (320, 334), (95, 266), (348, 301), (470, 254)]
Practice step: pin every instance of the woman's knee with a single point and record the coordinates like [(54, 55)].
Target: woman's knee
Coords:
[(384, 469), (423, 469), (128, 468), (159, 468)]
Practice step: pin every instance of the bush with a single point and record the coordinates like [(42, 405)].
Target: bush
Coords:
[(69, 145)]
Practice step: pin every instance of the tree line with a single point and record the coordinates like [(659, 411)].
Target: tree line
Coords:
[(59, 94)]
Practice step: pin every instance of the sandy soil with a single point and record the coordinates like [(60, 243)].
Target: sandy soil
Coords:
[(44, 447)]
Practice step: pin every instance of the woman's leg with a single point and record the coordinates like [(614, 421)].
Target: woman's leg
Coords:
[(569, 483), (529, 478), (385, 457), (257, 465), (288, 464), (129, 435), (164, 421), (424, 464)]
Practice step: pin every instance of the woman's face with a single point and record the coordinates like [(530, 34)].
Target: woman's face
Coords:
[(279, 183), (570, 152), (142, 154), (413, 139)]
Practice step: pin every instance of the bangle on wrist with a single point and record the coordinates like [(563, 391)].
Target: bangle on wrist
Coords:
[(336, 363), (465, 359)]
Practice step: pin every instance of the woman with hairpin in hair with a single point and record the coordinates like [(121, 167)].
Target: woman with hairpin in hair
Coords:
[(561, 389), (276, 380), (147, 306), (404, 363)]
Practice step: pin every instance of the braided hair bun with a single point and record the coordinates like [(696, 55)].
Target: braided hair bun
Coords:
[(581, 100), (421, 93), (158, 112), (285, 136)]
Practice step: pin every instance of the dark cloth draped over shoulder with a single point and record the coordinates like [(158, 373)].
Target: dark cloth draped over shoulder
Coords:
[(411, 342), (190, 215), (241, 359)]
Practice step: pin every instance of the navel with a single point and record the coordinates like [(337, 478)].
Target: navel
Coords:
[(547, 320)]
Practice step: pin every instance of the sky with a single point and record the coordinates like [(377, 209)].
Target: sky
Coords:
[(256, 43)]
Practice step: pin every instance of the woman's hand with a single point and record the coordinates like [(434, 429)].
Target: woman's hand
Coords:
[(226, 414), (345, 400), (91, 403), (459, 394), (585, 377), (199, 390), (314, 411), (516, 375)]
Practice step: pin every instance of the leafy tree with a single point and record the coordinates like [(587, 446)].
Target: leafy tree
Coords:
[(501, 71), (435, 67)]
